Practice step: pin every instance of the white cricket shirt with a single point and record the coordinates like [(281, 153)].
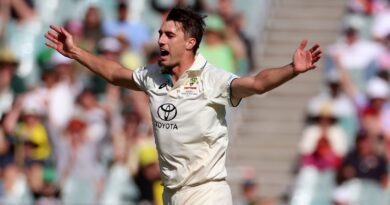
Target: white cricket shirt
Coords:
[(189, 121)]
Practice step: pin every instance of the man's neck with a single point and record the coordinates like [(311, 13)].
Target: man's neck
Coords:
[(183, 66)]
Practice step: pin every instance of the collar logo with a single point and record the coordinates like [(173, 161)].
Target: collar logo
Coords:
[(162, 85), (167, 112), (193, 81)]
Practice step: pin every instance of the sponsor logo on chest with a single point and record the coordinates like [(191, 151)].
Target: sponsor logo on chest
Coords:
[(166, 112)]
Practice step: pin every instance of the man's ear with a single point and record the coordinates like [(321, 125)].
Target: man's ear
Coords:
[(190, 43)]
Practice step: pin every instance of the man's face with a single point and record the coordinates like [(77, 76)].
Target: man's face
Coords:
[(122, 14), (172, 43), (377, 103), (351, 38)]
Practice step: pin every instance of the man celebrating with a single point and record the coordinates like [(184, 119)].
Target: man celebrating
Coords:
[(187, 101)]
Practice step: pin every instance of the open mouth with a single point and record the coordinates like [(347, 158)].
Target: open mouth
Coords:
[(164, 52)]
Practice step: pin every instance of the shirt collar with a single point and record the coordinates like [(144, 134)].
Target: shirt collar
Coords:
[(199, 63)]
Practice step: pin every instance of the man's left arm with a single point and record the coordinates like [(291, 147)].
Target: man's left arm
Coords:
[(271, 78)]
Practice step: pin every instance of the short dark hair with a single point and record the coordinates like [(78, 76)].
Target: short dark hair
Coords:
[(122, 5), (350, 31), (192, 23)]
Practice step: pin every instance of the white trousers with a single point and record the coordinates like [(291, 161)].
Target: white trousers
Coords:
[(210, 193)]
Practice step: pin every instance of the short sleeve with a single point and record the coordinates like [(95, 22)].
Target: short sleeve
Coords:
[(234, 102), (139, 77), (220, 91)]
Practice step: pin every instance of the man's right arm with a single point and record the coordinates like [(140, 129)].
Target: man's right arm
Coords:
[(110, 70)]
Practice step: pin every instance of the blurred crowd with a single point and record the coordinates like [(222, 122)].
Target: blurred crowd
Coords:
[(68, 137), (345, 145)]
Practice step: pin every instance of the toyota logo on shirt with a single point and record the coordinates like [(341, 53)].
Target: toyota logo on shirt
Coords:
[(167, 112)]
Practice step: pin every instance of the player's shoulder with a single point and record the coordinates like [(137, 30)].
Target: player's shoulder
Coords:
[(210, 68), (149, 70), (214, 73)]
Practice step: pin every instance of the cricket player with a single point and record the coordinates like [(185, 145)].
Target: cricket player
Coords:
[(188, 97)]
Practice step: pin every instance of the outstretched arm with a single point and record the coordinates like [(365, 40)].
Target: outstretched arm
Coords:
[(112, 71), (269, 79)]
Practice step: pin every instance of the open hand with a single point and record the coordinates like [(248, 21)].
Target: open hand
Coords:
[(61, 40), (306, 60)]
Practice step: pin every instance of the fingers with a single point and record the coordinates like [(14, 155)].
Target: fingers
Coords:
[(314, 48), (55, 41), (317, 54), (316, 59), (56, 36), (52, 34), (303, 44), (54, 46), (55, 28), (65, 32), (52, 37), (59, 30)]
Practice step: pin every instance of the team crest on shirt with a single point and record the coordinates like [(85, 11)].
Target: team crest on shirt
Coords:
[(191, 88), (193, 81)]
